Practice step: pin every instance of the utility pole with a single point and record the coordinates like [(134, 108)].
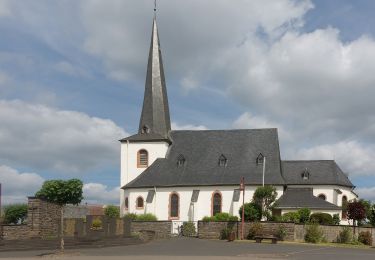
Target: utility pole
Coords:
[(242, 187)]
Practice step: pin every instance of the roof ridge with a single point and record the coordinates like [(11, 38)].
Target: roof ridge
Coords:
[(225, 130), (324, 160)]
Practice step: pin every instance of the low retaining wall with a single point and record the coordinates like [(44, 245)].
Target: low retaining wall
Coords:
[(162, 229), (212, 230), (330, 233), (18, 232)]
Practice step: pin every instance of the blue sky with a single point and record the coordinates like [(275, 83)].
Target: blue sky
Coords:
[(72, 80)]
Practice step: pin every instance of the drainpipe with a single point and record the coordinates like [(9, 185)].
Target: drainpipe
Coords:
[(155, 201), (127, 161)]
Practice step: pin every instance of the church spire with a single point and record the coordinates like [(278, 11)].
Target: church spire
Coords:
[(155, 112)]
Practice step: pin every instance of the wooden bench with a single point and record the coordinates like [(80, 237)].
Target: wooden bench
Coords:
[(259, 239)]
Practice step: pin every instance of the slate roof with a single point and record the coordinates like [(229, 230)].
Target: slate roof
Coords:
[(202, 150), (147, 137), (302, 198), (321, 172)]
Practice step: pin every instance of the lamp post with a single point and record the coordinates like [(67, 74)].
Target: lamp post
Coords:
[(242, 188)]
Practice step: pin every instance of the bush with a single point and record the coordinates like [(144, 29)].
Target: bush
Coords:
[(132, 216), (365, 238), (233, 218), (345, 236), (313, 234), (97, 224), (146, 217), (256, 229), (321, 218), (15, 214), (208, 219), (112, 211), (281, 232), (188, 229), (304, 215), (252, 212), (336, 219), (223, 216), (224, 234), (291, 217)]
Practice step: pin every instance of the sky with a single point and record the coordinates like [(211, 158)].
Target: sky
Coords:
[(72, 76)]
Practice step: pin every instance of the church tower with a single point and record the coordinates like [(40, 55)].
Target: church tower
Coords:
[(152, 140)]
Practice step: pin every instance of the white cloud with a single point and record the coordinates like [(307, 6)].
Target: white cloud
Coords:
[(366, 193), (352, 156), (4, 8), (100, 194), (45, 138), (71, 70), (17, 186), (176, 126)]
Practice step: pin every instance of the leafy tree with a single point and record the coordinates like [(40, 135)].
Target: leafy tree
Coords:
[(15, 213), (252, 211), (367, 205), (304, 215), (61, 192), (371, 216), (356, 212), (112, 211), (265, 197), (336, 219)]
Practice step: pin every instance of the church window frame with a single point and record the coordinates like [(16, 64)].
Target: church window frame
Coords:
[(223, 161), (174, 209), (322, 196), (215, 206), (139, 203), (142, 158), (126, 203), (260, 159)]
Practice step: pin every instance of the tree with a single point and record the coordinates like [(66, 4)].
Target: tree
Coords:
[(15, 213), (112, 211), (252, 212), (371, 216), (265, 197), (356, 212), (61, 192)]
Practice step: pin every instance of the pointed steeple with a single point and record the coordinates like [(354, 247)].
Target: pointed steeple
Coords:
[(155, 112)]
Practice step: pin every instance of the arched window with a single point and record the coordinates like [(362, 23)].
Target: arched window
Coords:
[(174, 206), (142, 159), (216, 203), (126, 203), (139, 203), (322, 196), (344, 205)]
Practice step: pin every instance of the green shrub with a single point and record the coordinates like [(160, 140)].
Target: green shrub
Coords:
[(208, 219), (252, 212), (345, 236), (223, 216), (256, 229), (321, 218), (336, 219), (233, 218), (146, 217), (15, 214), (188, 229), (224, 234), (304, 215), (365, 237), (112, 211), (132, 216), (281, 232), (97, 224), (313, 233), (291, 217), (276, 218)]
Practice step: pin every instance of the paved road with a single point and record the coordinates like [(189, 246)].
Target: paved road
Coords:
[(185, 248)]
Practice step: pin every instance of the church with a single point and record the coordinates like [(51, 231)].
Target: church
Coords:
[(186, 175)]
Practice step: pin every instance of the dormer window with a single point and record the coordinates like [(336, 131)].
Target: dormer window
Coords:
[(180, 160), (305, 175), (260, 159), (222, 161), (145, 129)]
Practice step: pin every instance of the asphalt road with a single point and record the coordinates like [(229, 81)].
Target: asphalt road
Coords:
[(191, 248)]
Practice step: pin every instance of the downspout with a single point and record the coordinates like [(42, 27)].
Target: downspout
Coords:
[(127, 161), (155, 201)]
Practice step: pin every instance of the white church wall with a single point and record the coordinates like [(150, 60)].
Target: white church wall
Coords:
[(129, 169), (189, 211)]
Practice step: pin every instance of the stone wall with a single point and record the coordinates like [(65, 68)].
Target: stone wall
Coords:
[(162, 229), (18, 232), (212, 230), (330, 232)]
